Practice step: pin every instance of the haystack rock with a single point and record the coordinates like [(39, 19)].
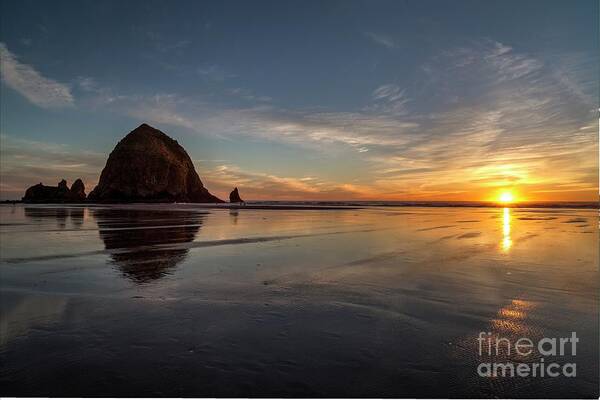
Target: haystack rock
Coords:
[(149, 166), (41, 193), (234, 196)]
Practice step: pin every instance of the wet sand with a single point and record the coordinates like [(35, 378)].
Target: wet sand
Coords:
[(185, 301)]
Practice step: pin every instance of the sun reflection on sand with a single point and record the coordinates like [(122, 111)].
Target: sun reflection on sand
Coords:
[(506, 240), (510, 323), (510, 319)]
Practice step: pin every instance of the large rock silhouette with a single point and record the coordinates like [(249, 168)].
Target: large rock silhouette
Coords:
[(149, 166)]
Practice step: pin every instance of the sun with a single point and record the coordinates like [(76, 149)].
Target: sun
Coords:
[(506, 197)]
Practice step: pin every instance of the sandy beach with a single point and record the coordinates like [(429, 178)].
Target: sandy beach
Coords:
[(160, 300)]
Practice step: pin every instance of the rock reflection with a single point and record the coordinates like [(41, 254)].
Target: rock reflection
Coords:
[(59, 214), (77, 216), (147, 244), (233, 214)]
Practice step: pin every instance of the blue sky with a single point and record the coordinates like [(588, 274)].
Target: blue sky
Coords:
[(310, 100)]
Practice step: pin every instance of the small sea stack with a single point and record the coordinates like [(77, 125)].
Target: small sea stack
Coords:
[(41, 193), (234, 196)]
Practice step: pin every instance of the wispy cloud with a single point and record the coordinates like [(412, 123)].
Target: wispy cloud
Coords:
[(381, 39), (248, 95), (87, 84), (215, 73), (159, 109), (389, 98), (30, 83), (222, 178), (510, 65), (176, 46)]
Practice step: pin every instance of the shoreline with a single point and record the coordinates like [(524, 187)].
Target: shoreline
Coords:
[(325, 205)]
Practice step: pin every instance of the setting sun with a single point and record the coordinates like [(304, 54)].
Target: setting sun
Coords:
[(506, 197)]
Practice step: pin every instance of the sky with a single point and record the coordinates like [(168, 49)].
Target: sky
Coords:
[(310, 100)]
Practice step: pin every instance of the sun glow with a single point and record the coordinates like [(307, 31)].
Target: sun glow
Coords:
[(506, 197)]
